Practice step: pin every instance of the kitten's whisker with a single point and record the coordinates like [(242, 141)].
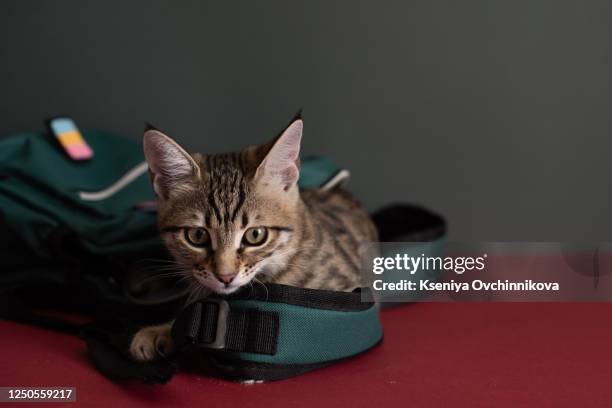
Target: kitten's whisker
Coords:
[(156, 260), (182, 280), (195, 291), (153, 278), (252, 288), (165, 268), (264, 286), (165, 271)]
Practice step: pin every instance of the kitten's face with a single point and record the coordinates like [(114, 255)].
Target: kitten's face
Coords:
[(228, 218)]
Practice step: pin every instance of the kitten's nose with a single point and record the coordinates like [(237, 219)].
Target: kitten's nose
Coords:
[(226, 278)]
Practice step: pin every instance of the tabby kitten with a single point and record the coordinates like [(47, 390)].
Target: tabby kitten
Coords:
[(229, 219)]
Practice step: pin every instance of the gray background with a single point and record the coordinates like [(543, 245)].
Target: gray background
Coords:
[(493, 113)]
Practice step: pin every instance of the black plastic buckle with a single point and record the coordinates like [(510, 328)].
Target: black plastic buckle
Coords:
[(222, 314)]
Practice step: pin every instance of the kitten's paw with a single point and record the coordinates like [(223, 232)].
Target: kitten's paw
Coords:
[(151, 343)]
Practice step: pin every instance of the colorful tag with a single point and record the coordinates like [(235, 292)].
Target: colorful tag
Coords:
[(69, 136)]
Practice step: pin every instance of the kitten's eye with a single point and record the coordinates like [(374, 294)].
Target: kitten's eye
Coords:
[(197, 236), (255, 236)]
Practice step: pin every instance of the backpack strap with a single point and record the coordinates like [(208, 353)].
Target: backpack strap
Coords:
[(277, 331)]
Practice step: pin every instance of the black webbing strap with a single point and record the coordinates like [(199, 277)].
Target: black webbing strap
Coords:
[(210, 323)]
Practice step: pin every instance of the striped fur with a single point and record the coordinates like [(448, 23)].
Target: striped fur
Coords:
[(314, 242), (313, 237)]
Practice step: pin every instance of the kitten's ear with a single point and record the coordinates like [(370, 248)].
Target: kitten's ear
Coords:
[(171, 168), (281, 165)]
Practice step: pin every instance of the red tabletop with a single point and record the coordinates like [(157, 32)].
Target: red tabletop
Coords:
[(460, 355)]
